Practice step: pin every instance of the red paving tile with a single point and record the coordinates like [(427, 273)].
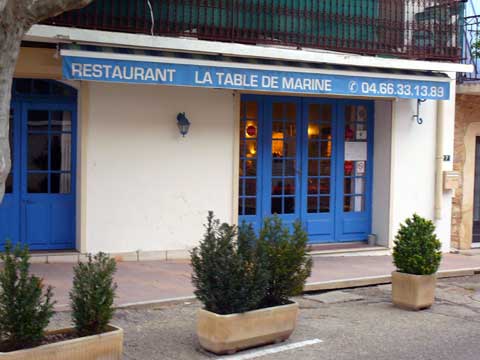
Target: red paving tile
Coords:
[(160, 280)]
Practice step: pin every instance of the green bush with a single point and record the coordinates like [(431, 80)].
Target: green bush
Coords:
[(26, 307), (417, 248), (92, 294), (287, 261), (235, 271), (227, 271)]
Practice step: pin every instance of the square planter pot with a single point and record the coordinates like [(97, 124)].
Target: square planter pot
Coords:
[(226, 334), (413, 292), (106, 346)]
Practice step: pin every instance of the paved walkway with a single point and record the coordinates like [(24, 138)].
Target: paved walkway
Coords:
[(151, 281)]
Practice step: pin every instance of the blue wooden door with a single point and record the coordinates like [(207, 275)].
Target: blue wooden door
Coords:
[(355, 167), (10, 207), (307, 159), (319, 141), (282, 158), (39, 204), (47, 197)]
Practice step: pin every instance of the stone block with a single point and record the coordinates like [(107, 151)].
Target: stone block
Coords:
[(333, 297)]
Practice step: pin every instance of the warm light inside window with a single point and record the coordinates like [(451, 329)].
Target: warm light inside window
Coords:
[(313, 130), (250, 129), (277, 146)]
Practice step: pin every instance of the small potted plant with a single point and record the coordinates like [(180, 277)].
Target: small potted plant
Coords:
[(245, 283), (417, 257), (26, 307)]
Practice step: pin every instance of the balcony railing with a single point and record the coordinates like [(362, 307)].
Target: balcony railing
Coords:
[(471, 47), (417, 29)]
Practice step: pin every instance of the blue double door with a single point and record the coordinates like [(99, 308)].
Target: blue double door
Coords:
[(39, 204), (308, 159)]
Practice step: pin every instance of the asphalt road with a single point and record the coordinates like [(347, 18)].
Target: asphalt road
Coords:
[(367, 328)]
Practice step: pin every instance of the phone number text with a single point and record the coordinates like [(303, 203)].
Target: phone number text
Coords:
[(395, 89)]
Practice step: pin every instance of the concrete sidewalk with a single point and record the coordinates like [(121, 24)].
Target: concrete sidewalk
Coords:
[(157, 281)]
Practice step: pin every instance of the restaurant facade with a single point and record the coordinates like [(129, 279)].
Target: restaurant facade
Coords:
[(123, 142)]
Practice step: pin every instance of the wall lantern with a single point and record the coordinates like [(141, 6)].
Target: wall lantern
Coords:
[(417, 115), (183, 124)]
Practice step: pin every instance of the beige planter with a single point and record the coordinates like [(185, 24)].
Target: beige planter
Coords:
[(223, 334), (106, 346), (413, 292)]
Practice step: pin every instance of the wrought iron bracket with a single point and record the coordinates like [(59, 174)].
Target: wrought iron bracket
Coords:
[(417, 115)]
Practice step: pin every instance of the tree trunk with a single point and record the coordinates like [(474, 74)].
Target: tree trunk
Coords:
[(16, 17), (11, 34)]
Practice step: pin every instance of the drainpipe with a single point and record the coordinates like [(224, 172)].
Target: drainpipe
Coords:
[(439, 159)]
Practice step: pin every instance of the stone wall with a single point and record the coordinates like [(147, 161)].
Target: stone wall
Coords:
[(467, 114)]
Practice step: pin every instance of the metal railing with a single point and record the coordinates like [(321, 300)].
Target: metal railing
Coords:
[(471, 44), (416, 29)]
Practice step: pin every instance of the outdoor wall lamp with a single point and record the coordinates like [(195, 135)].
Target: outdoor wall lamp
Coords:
[(183, 124), (417, 115)]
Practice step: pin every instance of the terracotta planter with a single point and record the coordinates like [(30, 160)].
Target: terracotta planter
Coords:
[(413, 292), (222, 334), (106, 346)]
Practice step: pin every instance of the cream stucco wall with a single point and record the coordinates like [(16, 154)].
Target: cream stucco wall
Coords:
[(147, 188), (413, 165)]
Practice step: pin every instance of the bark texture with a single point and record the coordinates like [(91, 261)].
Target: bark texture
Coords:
[(16, 18)]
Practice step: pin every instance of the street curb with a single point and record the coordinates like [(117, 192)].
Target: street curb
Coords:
[(140, 304), (378, 280), (150, 303)]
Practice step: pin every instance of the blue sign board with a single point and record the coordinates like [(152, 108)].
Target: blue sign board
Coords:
[(223, 77)]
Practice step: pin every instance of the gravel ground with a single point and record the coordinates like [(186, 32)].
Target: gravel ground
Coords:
[(368, 327)]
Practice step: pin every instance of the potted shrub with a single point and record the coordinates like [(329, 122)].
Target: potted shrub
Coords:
[(245, 283), (417, 257), (26, 308)]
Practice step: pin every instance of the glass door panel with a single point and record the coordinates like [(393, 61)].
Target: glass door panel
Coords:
[(247, 202), (318, 159), (283, 158), (355, 162)]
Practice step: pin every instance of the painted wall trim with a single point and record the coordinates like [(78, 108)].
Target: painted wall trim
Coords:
[(381, 205), (393, 156), (67, 34), (439, 160), (236, 155), (83, 116)]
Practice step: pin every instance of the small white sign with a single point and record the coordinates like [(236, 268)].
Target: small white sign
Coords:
[(360, 167), (361, 134), (355, 151)]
